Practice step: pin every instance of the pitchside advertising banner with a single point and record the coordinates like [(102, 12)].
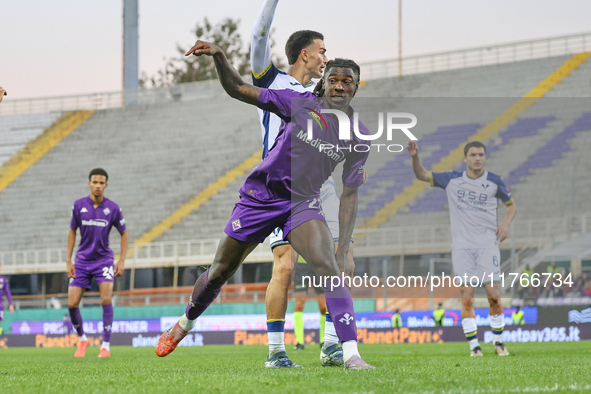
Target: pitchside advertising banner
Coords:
[(526, 333), (411, 319)]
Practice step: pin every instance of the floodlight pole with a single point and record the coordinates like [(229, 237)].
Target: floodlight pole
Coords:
[(399, 39)]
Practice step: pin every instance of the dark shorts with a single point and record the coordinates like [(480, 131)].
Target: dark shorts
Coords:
[(102, 270), (253, 221), (304, 270)]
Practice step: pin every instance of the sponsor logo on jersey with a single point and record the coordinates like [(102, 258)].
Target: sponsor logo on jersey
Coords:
[(95, 222), (83, 210), (236, 225), (106, 211)]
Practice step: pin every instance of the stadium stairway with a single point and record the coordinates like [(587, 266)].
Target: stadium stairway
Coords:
[(159, 157), (43, 142), (485, 133)]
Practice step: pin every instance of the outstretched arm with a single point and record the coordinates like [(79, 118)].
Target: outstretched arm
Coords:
[(260, 46), (347, 217), (231, 81), (420, 172)]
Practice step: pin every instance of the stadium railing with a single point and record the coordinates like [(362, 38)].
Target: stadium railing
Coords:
[(394, 241), (439, 61)]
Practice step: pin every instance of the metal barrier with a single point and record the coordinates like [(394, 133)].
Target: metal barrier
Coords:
[(368, 243), (440, 61)]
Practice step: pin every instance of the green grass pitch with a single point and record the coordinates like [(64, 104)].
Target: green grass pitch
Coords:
[(406, 368)]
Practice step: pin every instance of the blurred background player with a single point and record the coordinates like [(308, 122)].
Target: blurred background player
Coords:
[(473, 204), (2, 93), (517, 317), (438, 315), (306, 57), (396, 319), (94, 215), (269, 199), (4, 292), (303, 272)]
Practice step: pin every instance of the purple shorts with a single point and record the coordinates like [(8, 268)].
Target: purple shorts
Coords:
[(253, 221), (102, 270)]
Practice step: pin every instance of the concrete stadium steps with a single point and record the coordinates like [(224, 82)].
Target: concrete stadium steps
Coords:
[(17, 130), (158, 158), (502, 80)]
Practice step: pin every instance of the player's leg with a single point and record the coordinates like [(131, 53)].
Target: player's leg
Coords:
[(229, 255), (1, 316), (322, 322), (106, 292), (298, 319), (489, 264), (313, 241), (277, 292), (76, 289), (464, 265)]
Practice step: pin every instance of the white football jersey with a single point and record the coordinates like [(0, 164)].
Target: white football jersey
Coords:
[(473, 206), (273, 78)]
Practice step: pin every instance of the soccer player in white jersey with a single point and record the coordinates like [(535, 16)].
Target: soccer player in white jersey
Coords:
[(472, 197), (306, 57)]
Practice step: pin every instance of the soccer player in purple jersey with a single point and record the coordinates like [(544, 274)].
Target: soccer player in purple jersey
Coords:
[(94, 215), (284, 191), (4, 291)]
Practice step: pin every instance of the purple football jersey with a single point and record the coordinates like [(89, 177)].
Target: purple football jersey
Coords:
[(95, 225), (295, 168), (4, 291)]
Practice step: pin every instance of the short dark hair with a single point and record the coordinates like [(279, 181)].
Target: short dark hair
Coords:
[(343, 63), (474, 144), (298, 41), (98, 171)]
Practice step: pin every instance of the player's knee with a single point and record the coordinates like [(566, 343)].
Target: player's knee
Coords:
[(494, 301), (468, 303), (282, 271)]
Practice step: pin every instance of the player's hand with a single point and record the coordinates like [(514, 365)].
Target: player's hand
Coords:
[(119, 267), (11, 309), (70, 270), (2, 93), (502, 232), (413, 148), (364, 176), (203, 48), (343, 263)]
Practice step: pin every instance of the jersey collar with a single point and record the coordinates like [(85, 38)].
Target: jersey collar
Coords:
[(466, 177)]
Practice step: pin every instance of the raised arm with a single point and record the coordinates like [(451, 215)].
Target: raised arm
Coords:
[(347, 217), (420, 172), (260, 46), (231, 81)]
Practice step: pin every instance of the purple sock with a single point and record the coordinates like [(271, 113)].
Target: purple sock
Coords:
[(107, 322), (76, 319), (340, 307), (204, 292)]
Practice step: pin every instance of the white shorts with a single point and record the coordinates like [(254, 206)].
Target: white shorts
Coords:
[(330, 206), (470, 264)]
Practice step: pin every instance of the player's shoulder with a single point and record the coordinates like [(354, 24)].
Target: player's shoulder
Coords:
[(494, 178), (453, 174), (112, 204), (81, 201)]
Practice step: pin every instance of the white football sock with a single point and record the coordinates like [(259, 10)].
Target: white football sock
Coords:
[(106, 345), (83, 338), (497, 324), (350, 350), (330, 334), (187, 324), (276, 342), (470, 329)]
